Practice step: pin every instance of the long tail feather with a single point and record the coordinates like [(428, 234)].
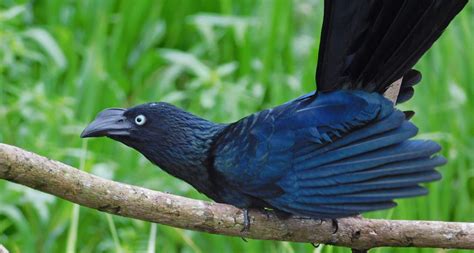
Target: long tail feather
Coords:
[(369, 44)]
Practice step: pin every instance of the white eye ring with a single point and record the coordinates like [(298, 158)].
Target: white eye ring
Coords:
[(140, 120)]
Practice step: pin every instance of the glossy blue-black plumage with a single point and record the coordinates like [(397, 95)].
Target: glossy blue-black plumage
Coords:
[(327, 155), (337, 152)]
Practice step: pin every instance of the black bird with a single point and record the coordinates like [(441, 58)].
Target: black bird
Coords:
[(340, 151)]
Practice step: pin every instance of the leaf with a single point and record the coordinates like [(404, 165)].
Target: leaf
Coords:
[(458, 94), (49, 45), (187, 60), (227, 69), (220, 20), (12, 12)]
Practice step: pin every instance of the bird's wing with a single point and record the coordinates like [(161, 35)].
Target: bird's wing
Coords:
[(343, 153), (369, 44)]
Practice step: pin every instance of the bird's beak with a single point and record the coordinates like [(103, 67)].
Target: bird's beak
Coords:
[(109, 122)]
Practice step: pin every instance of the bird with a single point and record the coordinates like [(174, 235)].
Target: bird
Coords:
[(339, 151)]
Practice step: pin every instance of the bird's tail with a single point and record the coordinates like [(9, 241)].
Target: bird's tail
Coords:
[(364, 171), (369, 44)]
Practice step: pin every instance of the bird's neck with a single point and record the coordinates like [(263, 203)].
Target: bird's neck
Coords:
[(183, 150), (186, 153)]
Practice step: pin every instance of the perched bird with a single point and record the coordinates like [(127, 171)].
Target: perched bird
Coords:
[(336, 152)]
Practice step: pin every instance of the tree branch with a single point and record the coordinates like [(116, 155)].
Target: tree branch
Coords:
[(393, 90), (22, 167), (3, 249)]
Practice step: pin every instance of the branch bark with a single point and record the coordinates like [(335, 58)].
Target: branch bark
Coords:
[(3, 249), (393, 90), (22, 167)]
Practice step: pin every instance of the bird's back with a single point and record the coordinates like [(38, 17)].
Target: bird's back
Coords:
[(340, 151), (345, 149), (328, 155)]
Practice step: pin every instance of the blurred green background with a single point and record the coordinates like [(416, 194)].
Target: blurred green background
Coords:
[(63, 61)]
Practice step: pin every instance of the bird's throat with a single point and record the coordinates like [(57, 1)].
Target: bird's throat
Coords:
[(182, 149)]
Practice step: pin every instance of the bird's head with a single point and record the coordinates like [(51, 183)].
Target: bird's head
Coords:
[(133, 125), (168, 136)]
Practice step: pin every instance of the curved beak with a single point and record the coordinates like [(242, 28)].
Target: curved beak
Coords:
[(109, 122)]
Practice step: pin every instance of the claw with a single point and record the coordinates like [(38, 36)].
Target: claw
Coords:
[(315, 245), (335, 224)]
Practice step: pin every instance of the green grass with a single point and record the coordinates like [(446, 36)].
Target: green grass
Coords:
[(63, 61)]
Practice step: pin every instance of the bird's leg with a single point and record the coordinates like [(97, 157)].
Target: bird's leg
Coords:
[(278, 213), (246, 227)]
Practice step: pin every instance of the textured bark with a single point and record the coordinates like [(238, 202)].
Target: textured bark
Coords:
[(3, 249), (22, 167)]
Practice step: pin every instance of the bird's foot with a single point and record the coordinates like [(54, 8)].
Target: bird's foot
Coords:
[(246, 227)]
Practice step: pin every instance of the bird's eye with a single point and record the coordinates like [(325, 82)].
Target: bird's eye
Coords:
[(140, 120)]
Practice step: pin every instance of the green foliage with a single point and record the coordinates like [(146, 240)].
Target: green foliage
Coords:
[(63, 61)]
